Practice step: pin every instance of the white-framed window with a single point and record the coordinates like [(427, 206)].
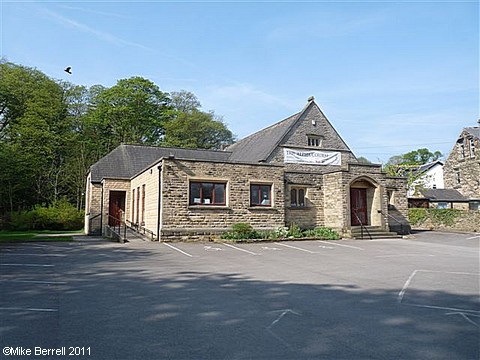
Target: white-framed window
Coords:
[(297, 197), (208, 193), (461, 150)]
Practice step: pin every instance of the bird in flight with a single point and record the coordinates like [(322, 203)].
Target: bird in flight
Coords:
[(68, 69)]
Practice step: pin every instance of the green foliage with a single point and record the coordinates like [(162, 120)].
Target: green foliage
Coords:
[(322, 233), (52, 131), (243, 231), (61, 215), (436, 216), (197, 130)]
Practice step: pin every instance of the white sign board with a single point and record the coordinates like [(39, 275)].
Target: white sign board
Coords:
[(312, 157)]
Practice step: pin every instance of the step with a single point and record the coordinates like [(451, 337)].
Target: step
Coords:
[(375, 232)]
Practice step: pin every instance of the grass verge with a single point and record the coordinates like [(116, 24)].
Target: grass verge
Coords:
[(36, 236)]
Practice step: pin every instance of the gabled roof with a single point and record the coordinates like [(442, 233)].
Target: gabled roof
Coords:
[(474, 131), (125, 161), (425, 167), (443, 195), (259, 146)]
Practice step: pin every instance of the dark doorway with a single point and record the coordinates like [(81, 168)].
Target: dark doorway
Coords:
[(358, 206), (116, 207)]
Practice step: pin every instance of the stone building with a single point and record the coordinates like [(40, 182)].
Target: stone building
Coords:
[(297, 171), (462, 167)]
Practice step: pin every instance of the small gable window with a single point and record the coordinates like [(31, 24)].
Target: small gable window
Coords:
[(314, 140)]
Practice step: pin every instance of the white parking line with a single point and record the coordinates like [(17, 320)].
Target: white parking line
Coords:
[(27, 309), (240, 249), (296, 248), (32, 265), (474, 237), (177, 249), (334, 243), (35, 282)]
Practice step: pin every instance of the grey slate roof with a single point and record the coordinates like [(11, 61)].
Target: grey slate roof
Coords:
[(426, 167), (474, 131), (443, 195), (258, 146), (125, 161)]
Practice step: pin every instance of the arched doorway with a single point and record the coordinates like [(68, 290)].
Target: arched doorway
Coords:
[(365, 202)]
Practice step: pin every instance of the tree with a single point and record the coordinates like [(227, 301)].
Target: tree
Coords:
[(185, 101), (133, 111), (197, 130), (407, 165)]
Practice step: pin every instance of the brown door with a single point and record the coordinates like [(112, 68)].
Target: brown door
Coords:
[(358, 204), (116, 207)]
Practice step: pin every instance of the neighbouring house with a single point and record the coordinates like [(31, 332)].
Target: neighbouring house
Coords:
[(440, 199), (427, 176), (462, 167), (297, 171)]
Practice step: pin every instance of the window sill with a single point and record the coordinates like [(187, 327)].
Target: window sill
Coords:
[(298, 208), (208, 207), (256, 208)]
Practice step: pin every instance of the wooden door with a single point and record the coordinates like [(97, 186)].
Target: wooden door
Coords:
[(116, 207), (358, 206)]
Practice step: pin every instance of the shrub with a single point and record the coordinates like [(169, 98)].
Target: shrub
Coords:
[(322, 233), (437, 216), (61, 215)]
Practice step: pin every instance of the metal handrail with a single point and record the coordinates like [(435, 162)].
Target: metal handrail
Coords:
[(394, 218), (362, 226), (90, 219), (140, 229), (119, 222)]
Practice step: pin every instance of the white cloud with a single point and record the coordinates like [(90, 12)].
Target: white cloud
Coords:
[(101, 35)]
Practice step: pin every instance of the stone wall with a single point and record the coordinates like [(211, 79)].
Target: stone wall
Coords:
[(112, 185), (178, 216), (465, 221), (462, 168)]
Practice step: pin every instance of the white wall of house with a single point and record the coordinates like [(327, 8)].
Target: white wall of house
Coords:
[(431, 179)]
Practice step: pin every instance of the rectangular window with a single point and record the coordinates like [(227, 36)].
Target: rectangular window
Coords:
[(207, 193), (260, 195), (313, 140), (461, 150), (138, 206), (474, 205), (143, 205), (297, 197), (133, 206), (472, 148)]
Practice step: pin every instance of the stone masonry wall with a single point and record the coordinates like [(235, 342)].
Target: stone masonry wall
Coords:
[(178, 216), (462, 172), (112, 185)]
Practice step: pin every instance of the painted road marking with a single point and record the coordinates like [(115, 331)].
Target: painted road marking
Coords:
[(465, 316), (401, 294), (23, 254), (296, 248), (27, 309), (177, 249), (474, 237), (211, 248), (398, 255), (271, 248), (32, 265), (237, 248), (333, 243), (35, 282)]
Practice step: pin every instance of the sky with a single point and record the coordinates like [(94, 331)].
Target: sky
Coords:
[(390, 76)]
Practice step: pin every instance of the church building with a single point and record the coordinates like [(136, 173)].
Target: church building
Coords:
[(297, 171)]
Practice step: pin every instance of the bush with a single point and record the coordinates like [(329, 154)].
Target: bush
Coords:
[(437, 216), (61, 215), (322, 233), (243, 231)]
